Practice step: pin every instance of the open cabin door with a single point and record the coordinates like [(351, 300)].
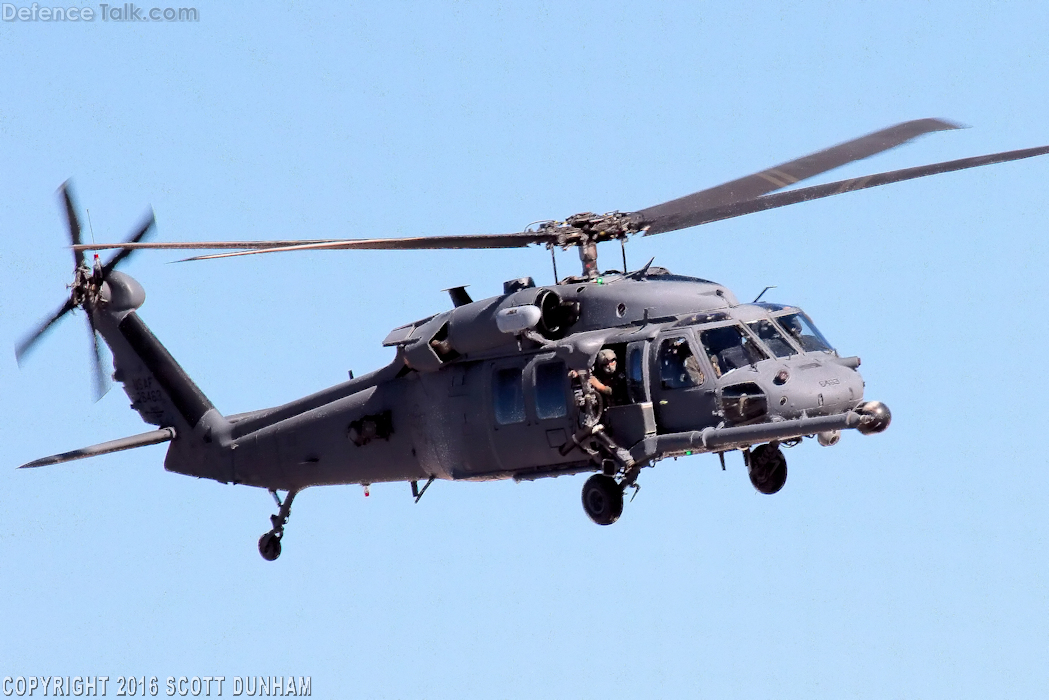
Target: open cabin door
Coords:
[(632, 417)]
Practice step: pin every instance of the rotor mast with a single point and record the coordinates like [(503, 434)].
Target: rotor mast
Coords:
[(586, 230), (588, 256)]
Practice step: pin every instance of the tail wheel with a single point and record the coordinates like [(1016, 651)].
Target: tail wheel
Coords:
[(269, 546), (768, 468), (602, 499)]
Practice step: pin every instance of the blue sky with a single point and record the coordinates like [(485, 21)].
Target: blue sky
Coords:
[(908, 564)]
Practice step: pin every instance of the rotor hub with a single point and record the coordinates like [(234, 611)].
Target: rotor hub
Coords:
[(588, 227), (87, 285)]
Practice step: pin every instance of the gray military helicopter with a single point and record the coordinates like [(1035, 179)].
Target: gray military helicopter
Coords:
[(604, 372)]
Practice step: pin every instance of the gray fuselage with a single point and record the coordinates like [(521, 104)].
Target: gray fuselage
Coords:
[(465, 399)]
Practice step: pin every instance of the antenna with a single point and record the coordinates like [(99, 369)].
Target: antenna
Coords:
[(89, 226), (762, 293)]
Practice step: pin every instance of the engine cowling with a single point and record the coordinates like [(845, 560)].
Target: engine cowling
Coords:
[(482, 326)]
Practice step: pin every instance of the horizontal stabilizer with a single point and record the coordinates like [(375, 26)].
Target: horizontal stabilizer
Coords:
[(153, 437)]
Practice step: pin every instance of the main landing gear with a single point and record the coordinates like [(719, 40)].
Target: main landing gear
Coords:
[(269, 544), (767, 467), (603, 499), (603, 493)]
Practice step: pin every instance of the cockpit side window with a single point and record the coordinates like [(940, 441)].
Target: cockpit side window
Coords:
[(773, 339), (799, 326), (729, 348), (678, 367)]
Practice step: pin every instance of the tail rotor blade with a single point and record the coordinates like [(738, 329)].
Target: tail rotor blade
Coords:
[(102, 384), (30, 340), (74, 222), (143, 231)]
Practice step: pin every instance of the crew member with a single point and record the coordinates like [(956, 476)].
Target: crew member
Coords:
[(603, 373)]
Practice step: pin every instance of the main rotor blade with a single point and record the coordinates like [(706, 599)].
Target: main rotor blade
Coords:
[(74, 222), (695, 218), (788, 173), (470, 242), (498, 240), (201, 245), (30, 340), (145, 228)]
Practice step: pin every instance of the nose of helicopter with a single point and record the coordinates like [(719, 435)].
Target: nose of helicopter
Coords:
[(817, 387)]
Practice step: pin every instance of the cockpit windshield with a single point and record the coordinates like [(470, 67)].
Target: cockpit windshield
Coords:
[(772, 337), (729, 348), (799, 326)]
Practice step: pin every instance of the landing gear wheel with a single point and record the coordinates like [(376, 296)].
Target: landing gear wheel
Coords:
[(602, 499), (269, 546), (768, 468)]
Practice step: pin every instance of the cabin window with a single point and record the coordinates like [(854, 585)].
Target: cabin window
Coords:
[(729, 348), (799, 326), (773, 339), (550, 401), (678, 367), (508, 396)]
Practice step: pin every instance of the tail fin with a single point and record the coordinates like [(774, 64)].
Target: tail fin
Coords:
[(160, 390)]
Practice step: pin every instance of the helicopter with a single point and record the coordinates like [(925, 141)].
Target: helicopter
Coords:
[(603, 373)]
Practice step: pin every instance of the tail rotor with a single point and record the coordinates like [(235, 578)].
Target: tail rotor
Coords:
[(84, 292)]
